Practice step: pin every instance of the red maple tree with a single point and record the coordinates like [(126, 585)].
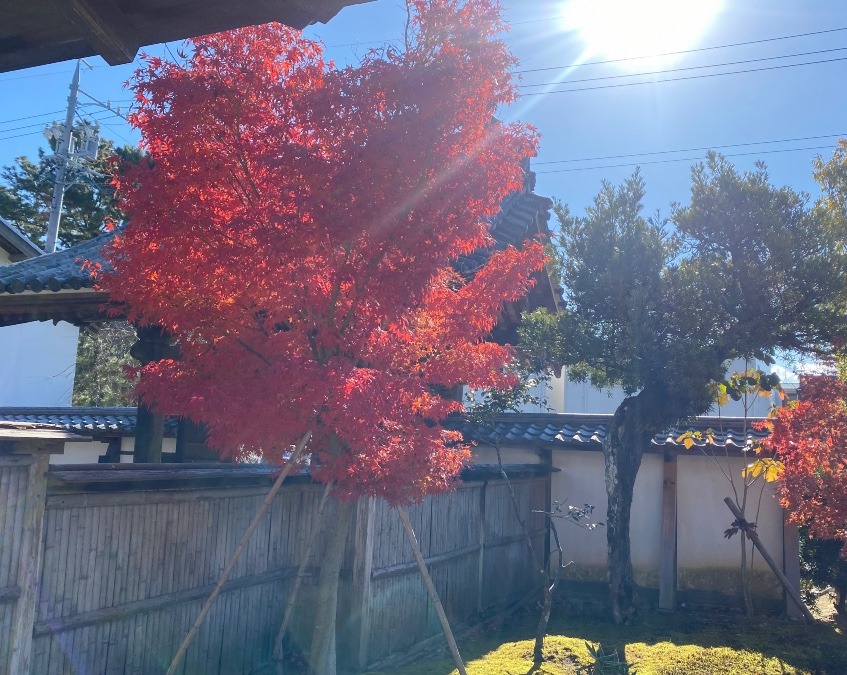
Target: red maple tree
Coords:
[(295, 230), (810, 437)]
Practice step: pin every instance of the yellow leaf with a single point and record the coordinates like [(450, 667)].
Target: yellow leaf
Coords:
[(688, 442), (774, 470), (753, 469), (770, 469)]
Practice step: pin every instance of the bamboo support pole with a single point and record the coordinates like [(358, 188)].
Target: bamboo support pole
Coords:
[(430, 587), (754, 537), (263, 509)]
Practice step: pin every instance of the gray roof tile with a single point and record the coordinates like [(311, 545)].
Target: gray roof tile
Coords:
[(590, 430), (94, 421), (564, 430), (54, 271)]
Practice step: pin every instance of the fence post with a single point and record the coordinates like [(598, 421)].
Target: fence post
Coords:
[(27, 551), (363, 546), (667, 559), (480, 583)]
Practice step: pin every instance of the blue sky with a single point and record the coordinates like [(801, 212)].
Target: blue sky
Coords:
[(602, 119)]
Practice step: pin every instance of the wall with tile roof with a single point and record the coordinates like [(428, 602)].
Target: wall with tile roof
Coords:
[(37, 360)]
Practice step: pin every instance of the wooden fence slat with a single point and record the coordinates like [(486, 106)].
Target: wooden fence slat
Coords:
[(125, 571), (29, 567)]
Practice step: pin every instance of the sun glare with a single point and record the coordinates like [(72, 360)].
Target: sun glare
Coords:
[(623, 29)]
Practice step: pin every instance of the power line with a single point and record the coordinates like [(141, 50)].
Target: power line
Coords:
[(703, 149), (9, 138), (27, 77), (686, 51), (37, 125), (682, 79), (685, 159), (687, 68), (31, 117)]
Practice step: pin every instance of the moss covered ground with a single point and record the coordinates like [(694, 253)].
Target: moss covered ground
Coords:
[(660, 644)]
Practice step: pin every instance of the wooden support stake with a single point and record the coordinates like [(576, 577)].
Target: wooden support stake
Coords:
[(263, 509), (430, 587), (754, 537)]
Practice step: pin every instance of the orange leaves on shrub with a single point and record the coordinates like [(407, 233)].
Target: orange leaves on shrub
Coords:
[(810, 437)]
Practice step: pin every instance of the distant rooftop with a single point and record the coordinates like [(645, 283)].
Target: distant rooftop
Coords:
[(58, 286), (562, 429), (16, 243)]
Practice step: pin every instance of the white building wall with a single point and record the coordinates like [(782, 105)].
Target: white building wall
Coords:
[(90, 451), (582, 397), (706, 560), (37, 364), (581, 480)]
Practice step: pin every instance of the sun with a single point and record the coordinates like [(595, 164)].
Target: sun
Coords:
[(626, 29)]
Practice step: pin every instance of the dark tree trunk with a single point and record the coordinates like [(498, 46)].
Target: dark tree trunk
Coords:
[(841, 600), (629, 434)]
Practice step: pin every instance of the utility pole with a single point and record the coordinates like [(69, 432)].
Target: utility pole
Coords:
[(63, 152)]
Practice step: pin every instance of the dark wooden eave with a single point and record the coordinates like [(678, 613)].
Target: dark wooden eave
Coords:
[(54, 287), (37, 32), (76, 307)]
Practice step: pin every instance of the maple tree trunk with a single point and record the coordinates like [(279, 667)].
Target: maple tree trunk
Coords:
[(543, 620), (627, 436), (322, 653)]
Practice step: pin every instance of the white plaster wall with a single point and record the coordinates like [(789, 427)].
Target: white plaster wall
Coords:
[(4, 257), (550, 393), (582, 397), (37, 364), (582, 480), (484, 454), (80, 453), (88, 452), (702, 515)]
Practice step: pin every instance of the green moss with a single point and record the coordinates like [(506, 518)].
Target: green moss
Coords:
[(728, 581), (678, 644)]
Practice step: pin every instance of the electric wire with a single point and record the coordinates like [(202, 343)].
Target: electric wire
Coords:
[(685, 68), (693, 50), (684, 159), (796, 139), (31, 117), (683, 78)]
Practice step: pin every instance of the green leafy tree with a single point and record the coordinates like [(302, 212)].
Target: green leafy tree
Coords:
[(103, 348), (747, 270), (89, 197), (102, 356)]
